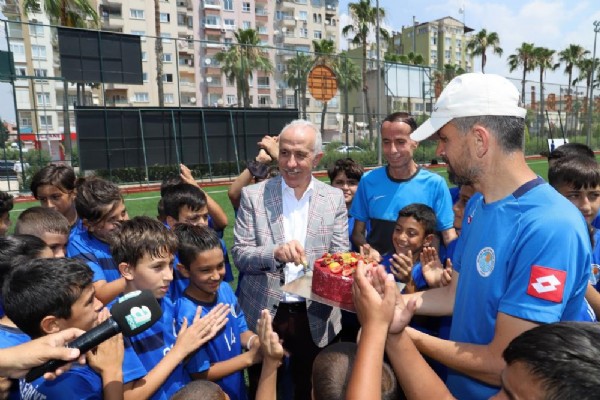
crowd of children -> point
(72, 256)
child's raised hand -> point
(374, 307)
(447, 274)
(269, 341)
(401, 266)
(431, 267)
(186, 175)
(201, 330)
(369, 253)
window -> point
(279, 15)
(231, 100)
(447, 54)
(165, 17)
(262, 81)
(229, 23)
(167, 57)
(318, 35)
(289, 101)
(264, 100)
(144, 77)
(36, 30)
(46, 121)
(25, 122)
(43, 98)
(302, 15)
(169, 98)
(38, 52)
(434, 40)
(166, 37)
(141, 97)
(136, 14)
(17, 48)
(144, 56)
(40, 73)
(245, 7)
(20, 71)
(141, 34)
(228, 5)
(303, 32)
(211, 20)
(246, 24)
(168, 78)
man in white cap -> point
(514, 267)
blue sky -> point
(552, 24)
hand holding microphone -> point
(131, 314)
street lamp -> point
(591, 98)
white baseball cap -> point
(471, 95)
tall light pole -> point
(378, 104)
(591, 97)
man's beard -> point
(455, 178)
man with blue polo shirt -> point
(384, 191)
(514, 268)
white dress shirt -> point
(295, 222)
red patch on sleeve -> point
(547, 283)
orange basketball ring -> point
(322, 83)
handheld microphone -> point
(131, 314)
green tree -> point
(3, 134)
(524, 57)
(544, 61)
(73, 13)
(364, 19)
(296, 75)
(412, 59)
(349, 78)
(571, 56)
(324, 50)
(240, 61)
(480, 43)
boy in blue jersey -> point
(143, 249)
(187, 204)
(514, 268)
(578, 179)
(47, 224)
(101, 208)
(47, 296)
(223, 358)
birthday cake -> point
(333, 276)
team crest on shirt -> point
(486, 259)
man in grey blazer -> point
(284, 224)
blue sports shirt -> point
(94, 252)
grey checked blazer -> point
(259, 229)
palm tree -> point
(412, 59)
(158, 46)
(297, 76)
(348, 77)
(324, 50)
(585, 66)
(364, 19)
(524, 57)
(451, 71)
(571, 56)
(239, 62)
(544, 61)
(480, 43)
(71, 13)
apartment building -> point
(442, 41)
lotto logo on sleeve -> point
(547, 283)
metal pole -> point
(591, 97)
(378, 105)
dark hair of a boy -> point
(142, 236)
(200, 389)
(38, 288)
(17, 249)
(58, 175)
(169, 181)
(577, 171)
(39, 220)
(332, 369)
(423, 214)
(96, 198)
(193, 240)
(348, 166)
(181, 195)
(570, 150)
(6, 202)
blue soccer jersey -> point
(149, 348)
(225, 345)
(94, 252)
(9, 337)
(379, 198)
(513, 259)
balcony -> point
(211, 5)
(289, 20)
(184, 5)
(112, 23)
